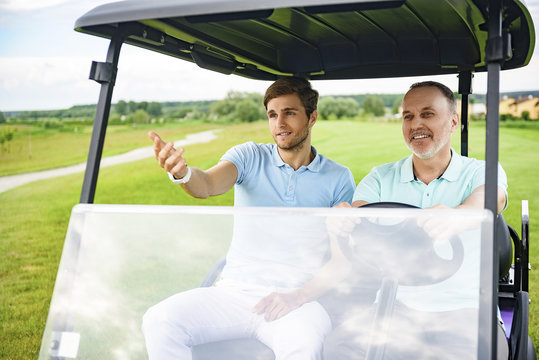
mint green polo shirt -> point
(396, 182)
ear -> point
(312, 118)
(454, 122)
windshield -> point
(396, 271)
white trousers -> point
(219, 313)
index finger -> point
(152, 135)
(158, 144)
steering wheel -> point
(401, 250)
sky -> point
(44, 65)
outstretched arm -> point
(214, 181)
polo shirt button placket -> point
(292, 184)
(427, 199)
(290, 193)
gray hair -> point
(444, 89)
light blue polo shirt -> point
(280, 252)
(265, 180)
(396, 182)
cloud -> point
(29, 83)
(28, 5)
(37, 74)
(20, 72)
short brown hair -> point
(293, 85)
(444, 89)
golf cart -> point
(114, 267)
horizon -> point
(529, 92)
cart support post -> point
(105, 74)
(494, 58)
(465, 89)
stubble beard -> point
(297, 143)
(434, 149)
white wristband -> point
(183, 180)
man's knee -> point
(298, 348)
(301, 334)
(152, 320)
(157, 324)
(305, 344)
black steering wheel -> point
(401, 249)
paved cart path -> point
(12, 181)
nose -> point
(416, 122)
(280, 120)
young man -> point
(259, 293)
(433, 176)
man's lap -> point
(220, 313)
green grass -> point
(34, 148)
(34, 217)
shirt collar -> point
(314, 166)
(450, 174)
(407, 170)
(453, 170)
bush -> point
(239, 106)
(331, 108)
(139, 117)
(6, 135)
(52, 124)
(505, 117)
(373, 105)
(396, 105)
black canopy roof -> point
(345, 40)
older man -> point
(433, 176)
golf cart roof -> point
(349, 39)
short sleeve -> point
(369, 188)
(346, 188)
(479, 179)
(242, 156)
(502, 182)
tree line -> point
(237, 106)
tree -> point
(237, 105)
(347, 108)
(182, 112)
(132, 106)
(121, 107)
(374, 105)
(247, 111)
(154, 109)
(139, 117)
(396, 106)
(6, 135)
(525, 115)
(143, 105)
(337, 108)
(327, 107)
(223, 107)
(2, 118)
